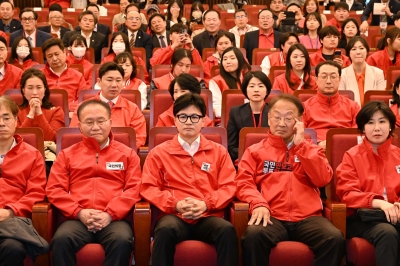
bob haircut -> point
(186, 82)
(353, 41)
(369, 109)
(259, 75)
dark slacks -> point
(171, 230)
(12, 252)
(72, 235)
(323, 238)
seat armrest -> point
(239, 218)
(336, 212)
(42, 219)
(142, 227)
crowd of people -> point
(96, 182)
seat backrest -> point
(252, 135)
(385, 96)
(139, 52)
(58, 97)
(392, 73)
(68, 136)
(260, 53)
(159, 135)
(38, 55)
(161, 101)
(375, 39)
(33, 136)
(77, 67)
(161, 70)
(231, 98)
(276, 71)
(304, 95)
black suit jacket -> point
(48, 30)
(14, 25)
(356, 6)
(97, 42)
(202, 41)
(251, 42)
(41, 37)
(394, 7)
(156, 41)
(101, 28)
(143, 40)
(239, 117)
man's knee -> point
(166, 226)
(12, 248)
(386, 232)
(122, 235)
(253, 234)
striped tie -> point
(132, 41)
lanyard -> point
(269, 39)
(259, 119)
(316, 42)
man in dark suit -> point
(56, 19)
(355, 5)
(158, 26)
(391, 8)
(35, 36)
(137, 37)
(265, 37)
(96, 40)
(7, 23)
(206, 39)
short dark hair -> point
(87, 12)
(328, 62)
(228, 35)
(131, 5)
(189, 99)
(154, 16)
(285, 37)
(317, 16)
(177, 28)
(55, 7)
(3, 41)
(259, 75)
(25, 10)
(262, 10)
(186, 82)
(91, 4)
(10, 104)
(124, 38)
(6, 1)
(211, 10)
(122, 57)
(342, 5)
(328, 30)
(396, 16)
(79, 40)
(369, 109)
(86, 103)
(35, 73)
(52, 42)
(396, 97)
(110, 66)
(240, 10)
(179, 54)
(243, 66)
(353, 41)
(14, 50)
(288, 98)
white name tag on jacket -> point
(296, 160)
(114, 165)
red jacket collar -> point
(383, 149)
(92, 142)
(176, 147)
(276, 141)
(328, 100)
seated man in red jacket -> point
(340, 15)
(279, 177)
(94, 183)
(22, 180)
(59, 75)
(191, 180)
(328, 109)
(124, 113)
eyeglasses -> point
(90, 123)
(133, 18)
(286, 120)
(6, 119)
(28, 19)
(194, 118)
(324, 77)
(57, 17)
(242, 16)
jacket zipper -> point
(287, 156)
(192, 160)
(329, 101)
(97, 158)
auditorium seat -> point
(161, 70)
(304, 95)
(385, 96)
(132, 95)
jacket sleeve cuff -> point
(209, 203)
(15, 211)
(111, 213)
(372, 197)
(76, 212)
(174, 202)
(261, 204)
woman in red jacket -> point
(222, 42)
(131, 82)
(298, 72)
(232, 68)
(389, 54)
(396, 101)
(21, 53)
(76, 55)
(368, 177)
(183, 84)
(119, 44)
(36, 109)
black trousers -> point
(12, 252)
(384, 236)
(323, 238)
(171, 230)
(72, 235)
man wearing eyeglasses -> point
(191, 180)
(124, 113)
(241, 28)
(279, 177)
(94, 183)
(28, 19)
(56, 19)
(328, 109)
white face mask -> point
(118, 47)
(23, 52)
(78, 52)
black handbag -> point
(372, 215)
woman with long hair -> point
(102, 9)
(175, 13)
(222, 42)
(21, 53)
(298, 72)
(36, 109)
(389, 51)
(196, 12)
(232, 68)
(311, 6)
(360, 77)
(312, 26)
(396, 101)
(350, 29)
